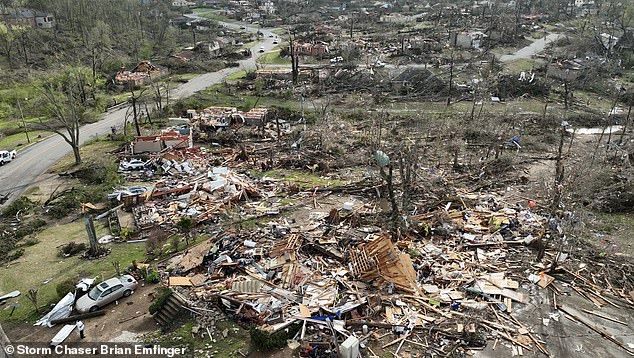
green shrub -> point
(266, 341)
(15, 255)
(175, 242)
(31, 242)
(152, 277)
(64, 287)
(162, 295)
(23, 204)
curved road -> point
(534, 48)
(34, 160)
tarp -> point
(62, 309)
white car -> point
(134, 164)
(261, 49)
(106, 292)
(6, 156)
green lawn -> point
(212, 14)
(18, 140)
(41, 268)
(236, 75)
(520, 65)
(273, 58)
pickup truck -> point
(6, 156)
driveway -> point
(34, 160)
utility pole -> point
(26, 131)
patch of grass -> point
(236, 75)
(273, 58)
(19, 139)
(212, 14)
(303, 180)
(250, 45)
(517, 66)
(93, 151)
(40, 267)
(237, 339)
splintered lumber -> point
(194, 256)
(179, 281)
(577, 316)
(508, 337)
(379, 258)
(531, 336)
(599, 314)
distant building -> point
(309, 49)
(30, 18)
(469, 39)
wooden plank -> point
(179, 281)
(599, 314)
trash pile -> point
(448, 287)
(184, 184)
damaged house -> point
(160, 142)
(310, 49)
(212, 119)
(142, 73)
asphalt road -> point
(534, 48)
(33, 161)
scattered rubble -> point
(449, 286)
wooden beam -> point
(79, 317)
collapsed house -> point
(337, 283)
(142, 73)
(166, 139)
(212, 119)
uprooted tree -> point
(66, 102)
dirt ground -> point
(121, 323)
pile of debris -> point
(143, 72)
(457, 278)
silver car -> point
(106, 292)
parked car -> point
(106, 292)
(261, 49)
(6, 156)
(134, 164)
(275, 42)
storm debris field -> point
(381, 263)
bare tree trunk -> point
(76, 154)
(450, 79)
(559, 174)
(627, 121)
